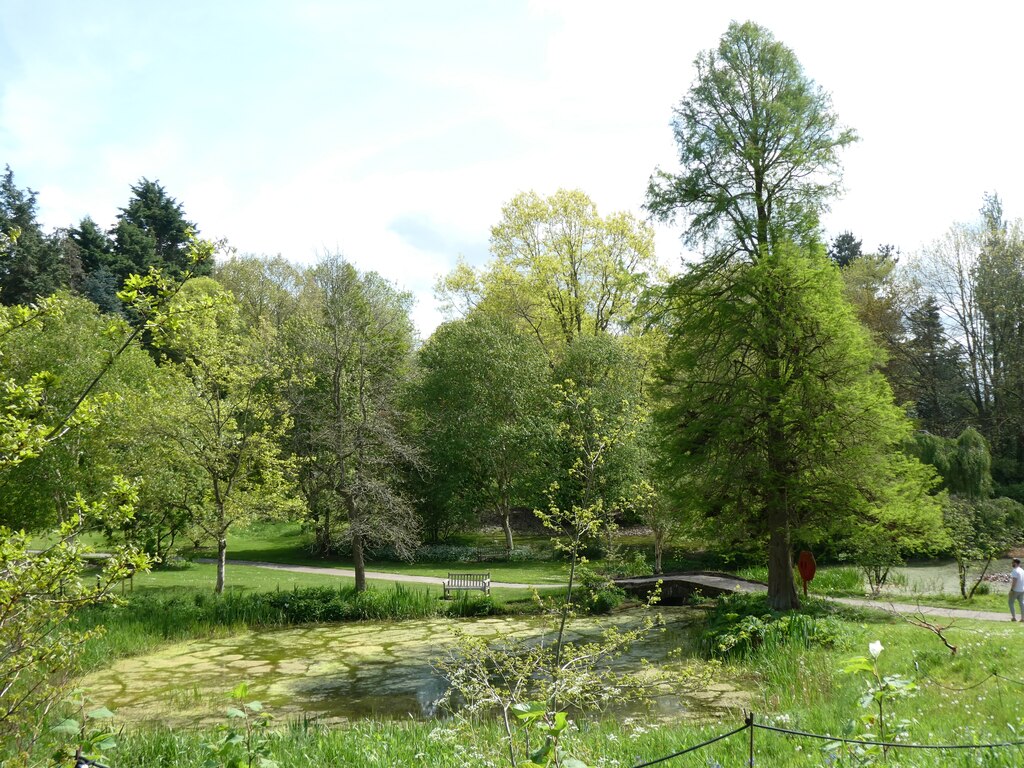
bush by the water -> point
(597, 592)
(741, 624)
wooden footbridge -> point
(678, 588)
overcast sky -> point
(394, 132)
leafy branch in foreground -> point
(40, 592)
(532, 683)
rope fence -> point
(751, 726)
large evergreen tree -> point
(936, 384)
(779, 422)
(152, 231)
(31, 263)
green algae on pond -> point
(339, 672)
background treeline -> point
(303, 393)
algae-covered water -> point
(340, 672)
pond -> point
(345, 672)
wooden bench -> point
(481, 581)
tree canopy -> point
(758, 144)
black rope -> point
(1007, 679)
(693, 748)
(888, 743)
(937, 684)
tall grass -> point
(604, 743)
(827, 581)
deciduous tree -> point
(779, 423)
(758, 142)
(484, 394)
(352, 339)
(234, 421)
(559, 268)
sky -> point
(393, 132)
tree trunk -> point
(322, 527)
(506, 525)
(782, 594)
(981, 578)
(659, 548)
(357, 561)
(222, 559)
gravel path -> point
(376, 575)
(908, 609)
(735, 584)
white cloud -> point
(439, 118)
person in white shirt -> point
(1017, 589)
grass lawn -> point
(287, 543)
(201, 577)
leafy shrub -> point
(742, 624)
(623, 565)
(597, 592)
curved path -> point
(372, 575)
(720, 582)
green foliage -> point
(483, 399)
(741, 625)
(758, 143)
(91, 734)
(40, 592)
(349, 347)
(232, 419)
(246, 739)
(31, 263)
(879, 699)
(978, 532)
(112, 435)
(776, 423)
(560, 270)
(597, 592)
(844, 249)
(936, 383)
(513, 676)
(152, 231)
(763, 348)
(964, 463)
(39, 596)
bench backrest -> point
(468, 579)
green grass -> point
(201, 578)
(286, 543)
